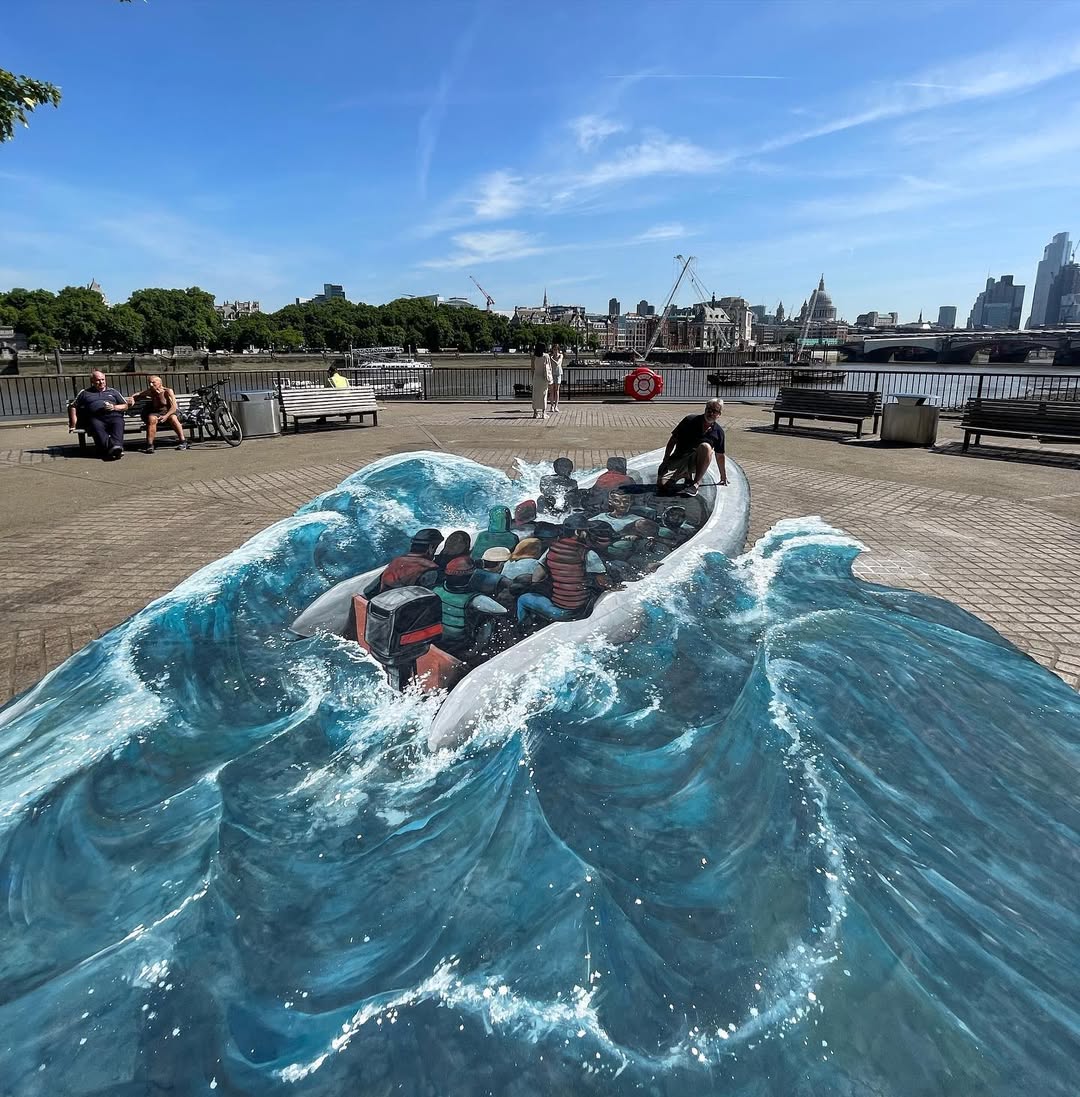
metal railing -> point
(47, 396)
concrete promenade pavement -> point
(85, 543)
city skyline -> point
(907, 175)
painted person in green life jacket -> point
(467, 616)
(690, 450)
(497, 535)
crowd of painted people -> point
(546, 560)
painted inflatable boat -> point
(401, 629)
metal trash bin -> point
(909, 419)
(257, 413)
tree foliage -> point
(160, 319)
(21, 96)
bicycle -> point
(210, 412)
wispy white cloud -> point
(689, 76)
(591, 129)
(672, 231)
(474, 248)
(432, 118)
(499, 194)
(656, 155)
(991, 75)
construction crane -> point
(705, 295)
(490, 299)
(667, 305)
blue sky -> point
(259, 148)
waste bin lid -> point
(256, 394)
(911, 397)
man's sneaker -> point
(116, 452)
(148, 449)
(690, 491)
(183, 445)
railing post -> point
(978, 394)
(496, 384)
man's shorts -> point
(686, 465)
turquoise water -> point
(809, 835)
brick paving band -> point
(997, 531)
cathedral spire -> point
(821, 284)
(545, 297)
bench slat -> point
(797, 402)
(358, 400)
(1047, 420)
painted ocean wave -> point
(805, 835)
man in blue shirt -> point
(100, 410)
(690, 451)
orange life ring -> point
(643, 384)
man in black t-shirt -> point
(690, 450)
(100, 410)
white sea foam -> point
(761, 564)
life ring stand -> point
(643, 383)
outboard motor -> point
(401, 625)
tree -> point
(21, 95)
(79, 316)
(177, 317)
(123, 330)
(288, 339)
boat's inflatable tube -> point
(475, 696)
(331, 611)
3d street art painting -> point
(452, 783)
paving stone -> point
(997, 533)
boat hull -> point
(487, 689)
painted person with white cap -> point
(488, 579)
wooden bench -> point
(796, 402)
(1047, 420)
(315, 403)
(133, 423)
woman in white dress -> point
(556, 377)
(541, 379)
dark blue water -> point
(808, 836)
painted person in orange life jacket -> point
(616, 476)
(417, 568)
(575, 570)
(690, 451)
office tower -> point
(999, 306)
(1055, 255)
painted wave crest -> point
(805, 835)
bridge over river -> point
(961, 347)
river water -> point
(808, 835)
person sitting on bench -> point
(690, 451)
(159, 406)
(99, 410)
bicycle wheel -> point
(226, 426)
